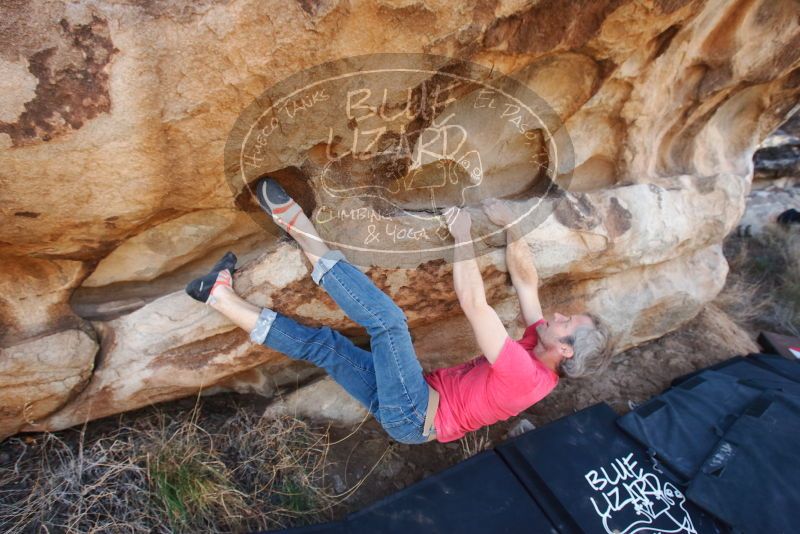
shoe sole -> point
(270, 191)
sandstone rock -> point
(653, 301)
(46, 351)
(324, 400)
(163, 248)
(34, 294)
(113, 191)
(39, 376)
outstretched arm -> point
(487, 326)
(519, 260)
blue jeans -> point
(389, 380)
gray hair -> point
(592, 350)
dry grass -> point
(170, 474)
(763, 287)
(474, 442)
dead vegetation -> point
(170, 474)
(762, 291)
(474, 442)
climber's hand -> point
(498, 211)
(458, 222)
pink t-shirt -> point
(476, 393)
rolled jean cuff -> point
(325, 263)
(263, 324)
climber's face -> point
(557, 328)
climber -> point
(413, 407)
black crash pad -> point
(684, 423)
(750, 479)
(477, 495)
(754, 370)
(778, 364)
(590, 477)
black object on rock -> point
(790, 216)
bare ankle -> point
(220, 294)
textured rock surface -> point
(39, 376)
(324, 400)
(113, 119)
